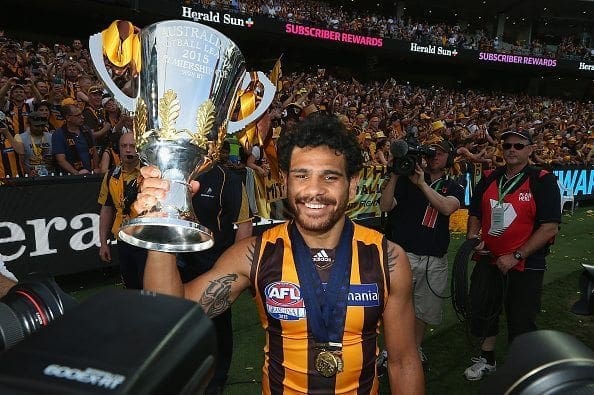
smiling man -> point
(321, 283)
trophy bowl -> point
(189, 78)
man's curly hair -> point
(317, 130)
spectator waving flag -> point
(247, 104)
(276, 73)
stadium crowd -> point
(330, 16)
(54, 80)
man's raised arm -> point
(214, 290)
(161, 274)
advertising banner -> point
(368, 193)
(51, 224)
(430, 51)
(579, 180)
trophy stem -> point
(171, 225)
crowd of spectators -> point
(43, 78)
(382, 112)
(56, 81)
(332, 16)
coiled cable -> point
(459, 282)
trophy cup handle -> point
(269, 91)
(96, 52)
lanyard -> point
(326, 307)
(503, 193)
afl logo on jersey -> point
(284, 301)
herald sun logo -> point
(284, 301)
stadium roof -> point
(578, 11)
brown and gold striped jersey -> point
(289, 349)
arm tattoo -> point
(250, 253)
(392, 256)
(216, 297)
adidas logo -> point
(209, 193)
(321, 256)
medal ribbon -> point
(503, 193)
(326, 307)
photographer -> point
(419, 207)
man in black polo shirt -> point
(220, 204)
(419, 208)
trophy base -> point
(166, 234)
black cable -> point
(459, 282)
(429, 283)
(461, 292)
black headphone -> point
(452, 149)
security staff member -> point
(118, 192)
(515, 212)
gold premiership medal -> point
(328, 363)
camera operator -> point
(419, 206)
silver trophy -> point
(189, 80)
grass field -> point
(447, 346)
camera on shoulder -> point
(407, 153)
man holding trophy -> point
(321, 283)
(321, 316)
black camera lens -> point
(31, 304)
(405, 166)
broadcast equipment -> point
(407, 154)
(116, 342)
(544, 362)
(585, 306)
(30, 305)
